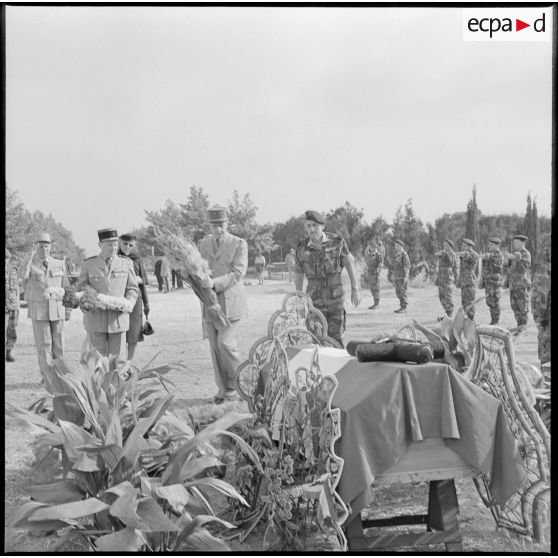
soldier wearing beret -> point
(41, 273)
(519, 276)
(399, 274)
(227, 256)
(540, 297)
(11, 306)
(114, 275)
(468, 276)
(374, 262)
(492, 278)
(127, 248)
(448, 268)
(321, 258)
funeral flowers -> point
(54, 293)
(90, 300)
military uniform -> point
(11, 307)
(106, 328)
(520, 285)
(322, 267)
(492, 281)
(374, 262)
(448, 268)
(47, 316)
(400, 276)
(540, 297)
(468, 276)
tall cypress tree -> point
(472, 218)
(531, 226)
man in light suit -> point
(40, 272)
(227, 256)
(109, 274)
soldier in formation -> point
(448, 269)
(321, 258)
(468, 276)
(519, 277)
(11, 306)
(374, 262)
(492, 278)
(114, 275)
(399, 275)
(540, 297)
(43, 274)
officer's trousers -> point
(225, 356)
(11, 329)
(108, 343)
(49, 341)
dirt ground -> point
(178, 337)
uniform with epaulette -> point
(519, 275)
(40, 273)
(111, 275)
(468, 277)
(322, 265)
(12, 306)
(493, 279)
(540, 297)
(448, 268)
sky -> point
(113, 110)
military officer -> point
(399, 274)
(114, 275)
(519, 273)
(12, 306)
(468, 276)
(40, 273)
(448, 268)
(540, 297)
(227, 256)
(492, 278)
(321, 258)
(374, 261)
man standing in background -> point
(11, 306)
(158, 275)
(448, 269)
(519, 262)
(468, 276)
(374, 261)
(540, 297)
(399, 275)
(492, 278)
(41, 274)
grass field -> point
(178, 337)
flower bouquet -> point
(70, 298)
(90, 300)
(54, 293)
(186, 256)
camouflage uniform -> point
(11, 304)
(540, 298)
(400, 276)
(520, 285)
(492, 280)
(468, 276)
(448, 268)
(322, 267)
(374, 261)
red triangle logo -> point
(519, 25)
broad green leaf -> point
(71, 510)
(220, 485)
(123, 488)
(176, 495)
(180, 425)
(153, 516)
(25, 511)
(113, 434)
(203, 519)
(245, 447)
(193, 467)
(49, 440)
(125, 540)
(58, 492)
(86, 463)
(124, 507)
(74, 436)
(32, 419)
(201, 539)
(65, 408)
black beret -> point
(315, 216)
(450, 242)
(469, 242)
(400, 242)
(495, 240)
(128, 237)
(520, 237)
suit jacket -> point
(228, 265)
(119, 280)
(37, 282)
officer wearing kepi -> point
(41, 275)
(12, 306)
(519, 274)
(114, 275)
(468, 276)
(492, 278)
(321, 258)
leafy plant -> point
(134, 477)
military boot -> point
(10, 356)
(401, 310)
(374, 306)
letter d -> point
(537, 21)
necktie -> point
(108, 261)
(217, 244)
(45, 264)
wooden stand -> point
(442, 524)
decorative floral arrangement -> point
(186, 256)
(54, 293)
(90, 300)
(70, 298)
